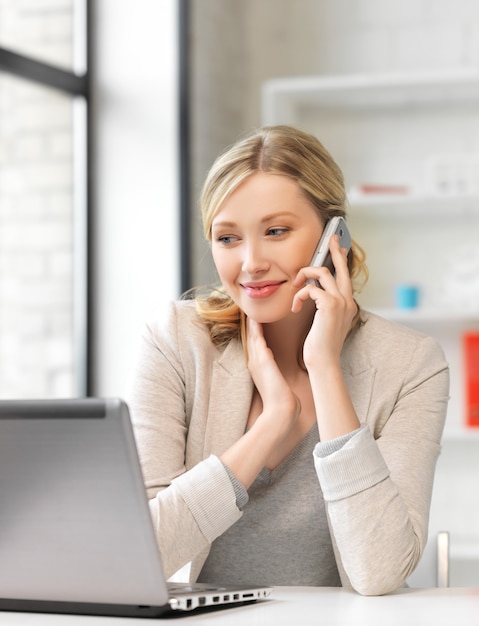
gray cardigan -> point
(190, 402)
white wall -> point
(135, 178)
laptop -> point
(76, 534)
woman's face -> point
(264, 233)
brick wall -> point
(36, 237)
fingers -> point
(254, 328)
(340, 260)
(328, 292)
(321, 277)
(300, 298)
(258, 351)
(254, 332)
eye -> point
(226, 239)
(277, 232)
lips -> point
(261, 289)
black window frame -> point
(184, 142)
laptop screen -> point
(75, 524)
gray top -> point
(283, 537)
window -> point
(43, 198)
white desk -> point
(304, 606)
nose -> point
(254, 260)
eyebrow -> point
(266, 218)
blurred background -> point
(111, 113)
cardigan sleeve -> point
(378, 485)
(198, 506)
(190, 506)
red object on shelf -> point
(383, 189)
(471, 376)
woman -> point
(285, 435)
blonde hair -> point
(280, 150)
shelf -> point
(424, 315)
(407, 205)
(460, 435)
(369, 92)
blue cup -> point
(407, 297)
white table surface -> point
(302, 606)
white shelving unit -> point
(385, 131)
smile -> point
(261, 290)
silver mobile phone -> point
(322, 256)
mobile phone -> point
(322, 256)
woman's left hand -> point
(335, 307)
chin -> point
(266, 316)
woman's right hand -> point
(277, 416)
(280, 403)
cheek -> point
(224, 264)
(299, 258)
